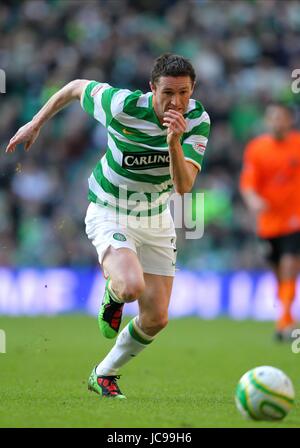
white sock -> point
(130, 342)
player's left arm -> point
(183, 171)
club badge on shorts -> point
(119, 237)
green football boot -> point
(106, 386)
(110, 314)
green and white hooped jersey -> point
(133, 176)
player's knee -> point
(288, 267)
(156, 323)
(162, 323)
(131, 290)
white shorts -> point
(155, 244)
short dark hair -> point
(169, 64)
(282, 105)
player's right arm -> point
(249, 181)
(28, 133)
(254, 202)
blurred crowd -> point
(243, 52)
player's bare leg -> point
(136, 336)
(126, 273)
(125, 283)
(287, 271)
(154, 303)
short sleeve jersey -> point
(272, 169)
(134, 174)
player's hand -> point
(176, 125)
(257, 204)
(27, 134)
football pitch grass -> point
(185, 379)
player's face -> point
(278, 120)
(171, 92)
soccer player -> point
(155, 141)
(270, 185)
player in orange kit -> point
(270, 186)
